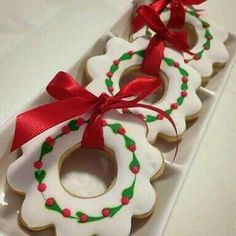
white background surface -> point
(29, 50)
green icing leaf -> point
(125, 56)
(168, 61)
(114, 68)
(183, 72)
(200, 54)
(207, 33)
(73, 125)
(114, 210)
(54, 207)
(79, 213)
(140, 53)
(109, 83)
(192, 13)
(128, 141)
(115, 127)
(45, 149)
(129, 192)
(40, 175)
(169, 111)
(207, 44)
(134, 162)
(180, 100)
(184, 86)
(92, 218)
(150, 118)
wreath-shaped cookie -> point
(209, 49)
(179, 101)
(36, 175)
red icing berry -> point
(176, 64)
(116, 62)
(186, 60)
(196, 57)
(132, 147)
(111, 89)
(66, 212)
(184, 94)
(65, 130)
(174, 106)
(83, 218)
(106, 212)
(197, 15)
(38, 165)
(104, 123)
(135, 169)
(42, 187)
(50, 201)
(109, 74)
(80, 122)
(125, 110)
(131, 53)
(121, 131)
(184, 79)
(50, 141)
(125, 200)
(206, 47)
(160, 117)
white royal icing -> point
(20, 177)
(217, 52)
(98, 66)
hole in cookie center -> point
(133, 72)
(87, 173)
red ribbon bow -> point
(177, 9)
(74, 100)
(155, 50)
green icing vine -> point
(81, 217)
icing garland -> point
(208, 36)
(81, 217)
(170, 62)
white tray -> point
(168, 186)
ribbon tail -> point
(93, 134)
(153, 57)
(34, 122)
(177, 16)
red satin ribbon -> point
(74, 100)
(177, 10)
(155, 50)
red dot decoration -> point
(206, 47)
(65, 130)
(80, 122)
(184, 79)
(135, 169)
(125, 200)
(174, 106)
(132, 147)
(50, 141)
(116, 62)
(176, 64)
(160, 117)
(121, 131)
(104, 123)
(131, 53)
(184, 94)
(38, 165)
(106, 212)
(111, 89)
(109, 74)
(42, 187)
(50, 201)
(186, 60)
(66, 212)
(196, 57)
(83, 218)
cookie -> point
(181, 82)
(47, 204)
(206, 41)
